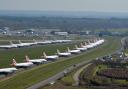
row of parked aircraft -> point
(30, 62)
(21, 44)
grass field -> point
(19, 37)
(59, 85)
(68, 80)
(51, 37)
(120, 30)
(6, 56)
(34, 75)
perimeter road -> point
(62, 74)
(58, 76)
(76, 75)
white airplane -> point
(35, 61)
(98, 42)
(47, 42)
(92, 44)
(51, 41)
(88, 46)
(33, 43)
(9, 46)
(66, 40)
(25, 44)
(52, 57)
(60, 41)
(81, 48)
(18, 45)
(6, 71)
(42, 42)
(63, 54)
(74, 51)
(22, 44)
(21, 65)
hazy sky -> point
(66, 5)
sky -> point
(66, 5)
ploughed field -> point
(104, 74)
(118, 73)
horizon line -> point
(69, 11)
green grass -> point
(6, 56)
(34, 75)
(119, 81)
(19, 37)
(59, 85)
(68, 79)
(120, 30)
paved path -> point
(61, 74)
(76, 75)
(58, 76)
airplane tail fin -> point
(44, 54)
(20, 41)
(76, 46)
(27, 58)
(34, 40)
(85, 43)
(58, 51)
(88, 41)
(11, 42)
(68, 49)
(96, 39)
(81, 44)
(13, 62)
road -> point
(123, 42)
(58, 76)
(76, 75)
(62, 74)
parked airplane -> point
(94, 44)
(74, 51)
(42, 42)
(63, 54)
(50, 41)
(88, 46)
(24, 44)
(52, 57)
(80, 48)
(60, 41)
(21, 65)
(101, 41)
(8, 46)
(6, 71)
(98, 42)
(33, 43)
(35, 61)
